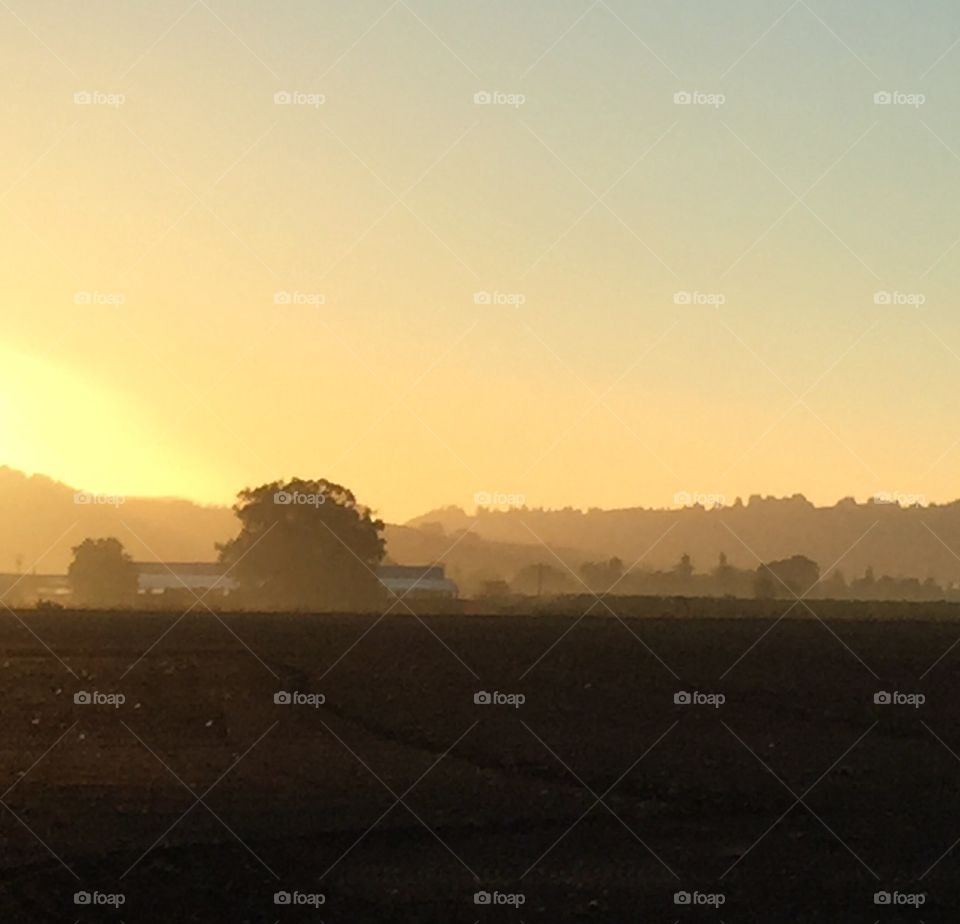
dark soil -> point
(596, 799)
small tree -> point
(601, 576)
(797, 575)
(724, 575)
(306, 545)
(102, 574)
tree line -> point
(787, 578)
(308, 544)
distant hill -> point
(39, 519)
(900, 541)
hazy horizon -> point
(498, 502)
(901, 537)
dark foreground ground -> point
(597, 799)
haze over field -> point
(703, 247)
(40, 520)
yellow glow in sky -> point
(586, 294)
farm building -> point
(154, 577)
(16, 589)
(413, 580)
(417, 581)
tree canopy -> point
(102, 573)
(796, 575)
(305, 544)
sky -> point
(580, 253)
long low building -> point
(157, 578)
(413, 581)
(16, 589)
(417, 581)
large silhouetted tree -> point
(102, 573)
(305, 544)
